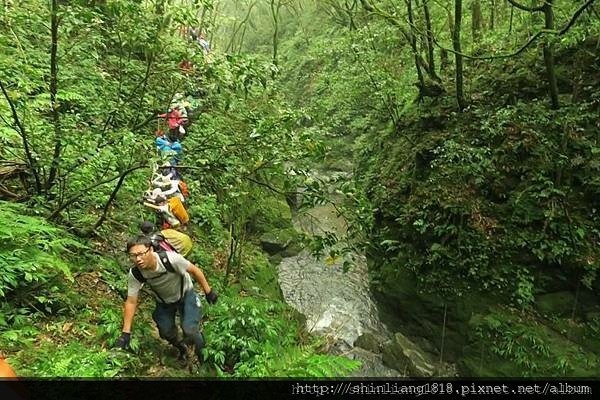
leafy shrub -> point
(254, 338)
(32, 256)
(73, 360)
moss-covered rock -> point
(276, 241)
(370, 341)
(259, 276)
(273, 213)
(558, 303)
(293, 249)
(420, 314)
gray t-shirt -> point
(166, 284)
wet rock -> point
(403, 355)
(371, 365)
(370, 341)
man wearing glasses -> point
(169, 276)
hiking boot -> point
(182, 359)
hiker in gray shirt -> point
(169, 276)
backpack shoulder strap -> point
(137, 274)
(165, 260)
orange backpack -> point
(178, 210)
(183, 188)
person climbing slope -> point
(169, 276)
(168, 147)
(176, 122)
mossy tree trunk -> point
(547, 8)
(460, 100)
(549, 54)
(413, 45)
(492, 14)
(476, 20)
(53, 93)
(429, 35)
(275, 12)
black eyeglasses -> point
(133, 256)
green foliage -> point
(238, 331)
(494, 203)
(32, 255)
(74, 360)
(110, 77)
(254, 337)
(205, 212)
(298, 362)
(537, 350)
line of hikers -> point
(196, 36)
(169, 191)
(159, 255)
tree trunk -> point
(275, 8)
(492, 14)
(476, 20)
(457, 54)
(549, 55)
(512, 13)
(444, 62)
(413, 45)
(548, 49)
(53, 101)
(429, 33)
(450, 23)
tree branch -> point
(54, 165)
(74, 198)
(561, 32)
(525, 8)
(21, 131)
(575, 16)
(112, 197)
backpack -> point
(137, 274)
(178, 210)
(160, 243)
(179, 240)
(183, 188)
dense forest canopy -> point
(467, 133)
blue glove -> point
(123, 340)
(212, 297)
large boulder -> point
(273, 213)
